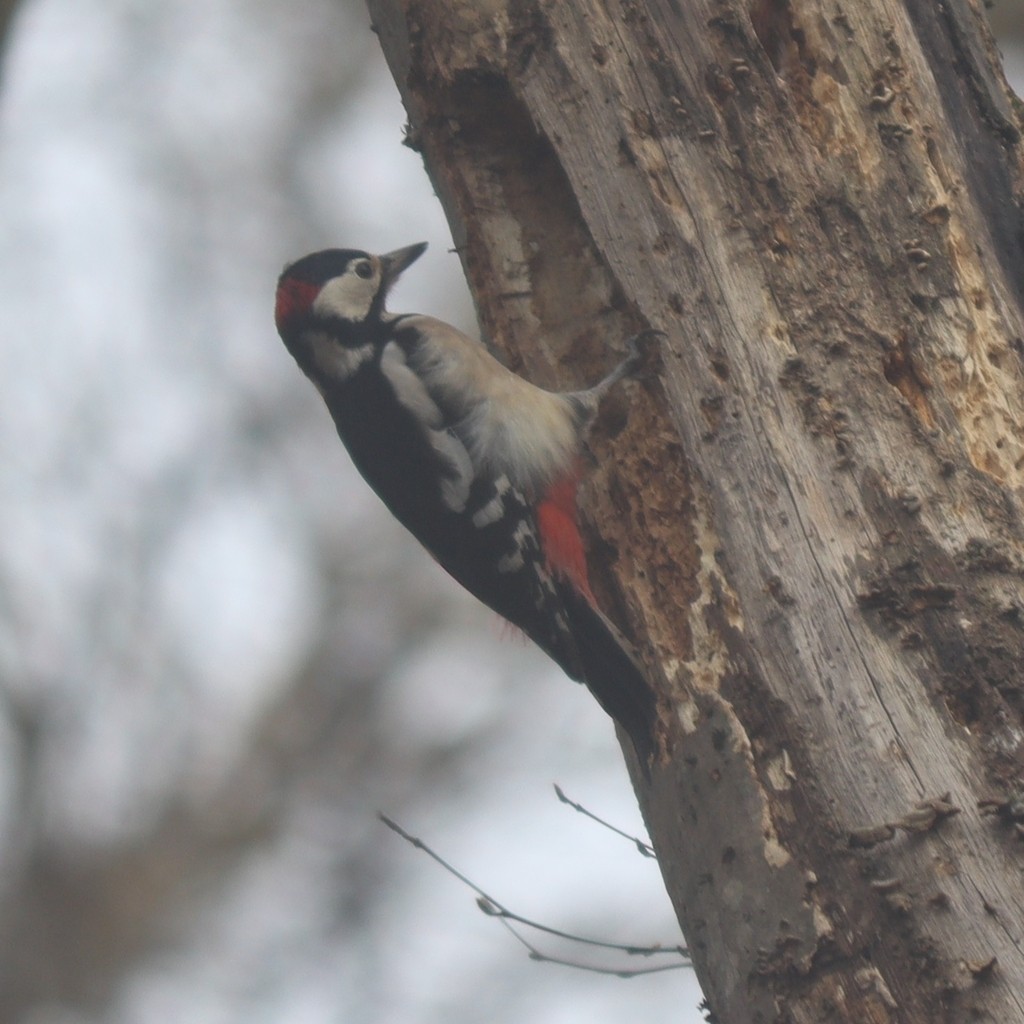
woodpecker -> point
(480, 465)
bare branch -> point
(493, 908)
(645, 849)
(627, 972)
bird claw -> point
(638, 347)
(633, 366)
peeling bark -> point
(810, 519)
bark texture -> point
(809, 518)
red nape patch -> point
(560, 533)
(293, 297)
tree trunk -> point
(808, 518)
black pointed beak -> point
(393, 263)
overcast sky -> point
(176, 517)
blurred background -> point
(219, 657)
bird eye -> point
(363, 269)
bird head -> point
(346, 285)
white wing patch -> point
(508, 424)
(454, 487)
(494, 509)
(409, 389)
(522, 536)
(457, 475)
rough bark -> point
(810, 519)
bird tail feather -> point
(613, 675)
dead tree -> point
(809, 519)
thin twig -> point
(420, 845)
(644, 848)
(618, 972)
(493, 908)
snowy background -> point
(218, 658)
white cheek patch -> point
(455, 464)
(348, 297)
(335, 361)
